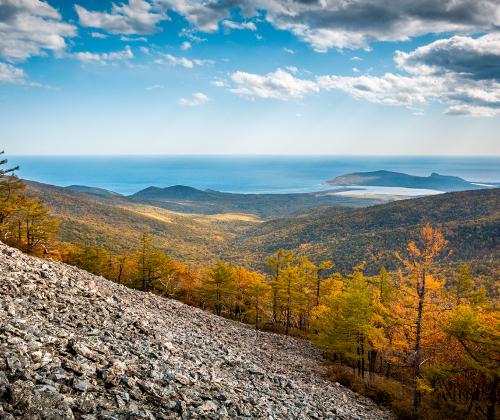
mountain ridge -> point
(469, 219)
(384, 178)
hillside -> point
(398, 179)
(116, 223)
(73, 345)
(191, 200)
(470, 221)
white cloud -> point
(438, 72)
(98, 35)
(356, 70)
(389, 89)
(189, 33)
(203, 62)
(104, 58)
(186, 45)
(179, 61)
(276, 85)
(219, 83)
(326, 24)
(196, 100)
(136, 17)
(289, 50)
(11, 74)
(185, 62)
(475, 58)
(31, 27)
(133, 39)
(461, 72)
(229, 24)
(203, 15)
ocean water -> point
(242, 174)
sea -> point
(242, 174)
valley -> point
(349, 232)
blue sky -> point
(252, 77)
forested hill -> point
(115, 223)
(397, 179)
(470, 220)
(191, 200)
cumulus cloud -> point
(203, 15)
(186, 45)
(280, 84)
(475, 58)
(29, 28)
(326, 24)
(134, 17)
(323, 24)
(104, 58)
(196, 100)
(435, 72)
(462, 72)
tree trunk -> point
(288, 305)
(492, 398)
(416, 368)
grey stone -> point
(73, 344)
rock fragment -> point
(73, 345)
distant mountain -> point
(191, 200)
(118, 223)
(398, 179)
(93, 190)
(174, 192)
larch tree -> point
(276, 263)
(217, 287)
(151, 263)
(420, 258)
(10, 188)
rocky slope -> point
(73, 345)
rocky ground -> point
(73, 345)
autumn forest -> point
(409, 330)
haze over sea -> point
(241, 174)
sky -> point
(337, 77)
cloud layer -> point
(29, 28)
(104, 58)
(461, 72)
(136, 17)
(326, 24)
